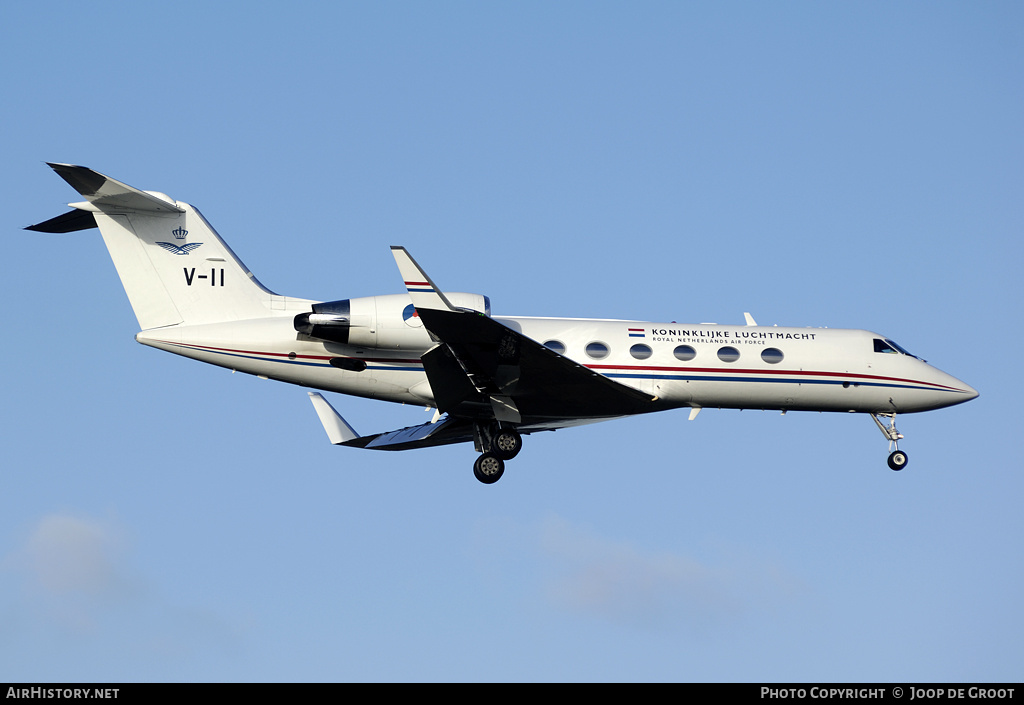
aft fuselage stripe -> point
(373, 363)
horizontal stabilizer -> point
(70, 222)
(107, 194)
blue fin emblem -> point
(179, 250)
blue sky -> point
(822, 164)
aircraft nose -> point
(965, 391)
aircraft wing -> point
(482, 367)
(339, 432)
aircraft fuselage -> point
(683, 365)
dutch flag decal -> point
(636, 332)
(421, 287)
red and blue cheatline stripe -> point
(372, 363)
(712, 374)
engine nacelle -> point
(377, 321)
(327, 321)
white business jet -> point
(490, 379)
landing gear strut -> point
(497, 444)
(897, 458)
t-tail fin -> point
(173, 265)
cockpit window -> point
(888, 346)
(902, 350)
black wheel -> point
(488, 468)
(897, 460)
(506, 443)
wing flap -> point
(448, 380)
(449, 430)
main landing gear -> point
(501, 444)
(897, 458)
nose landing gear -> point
(897, 458)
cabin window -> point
(640, 351)
(596, 350)
(728, 354)
(556, 346)
(772, 356)
(684, 353)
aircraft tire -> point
(898, 460)
(488, 468)
(507, 443)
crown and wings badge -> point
(180, 234)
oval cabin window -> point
(640, 351)
(728, 354)
(684, 353)
(598, 351)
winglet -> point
(338, 430)
(424, 293)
